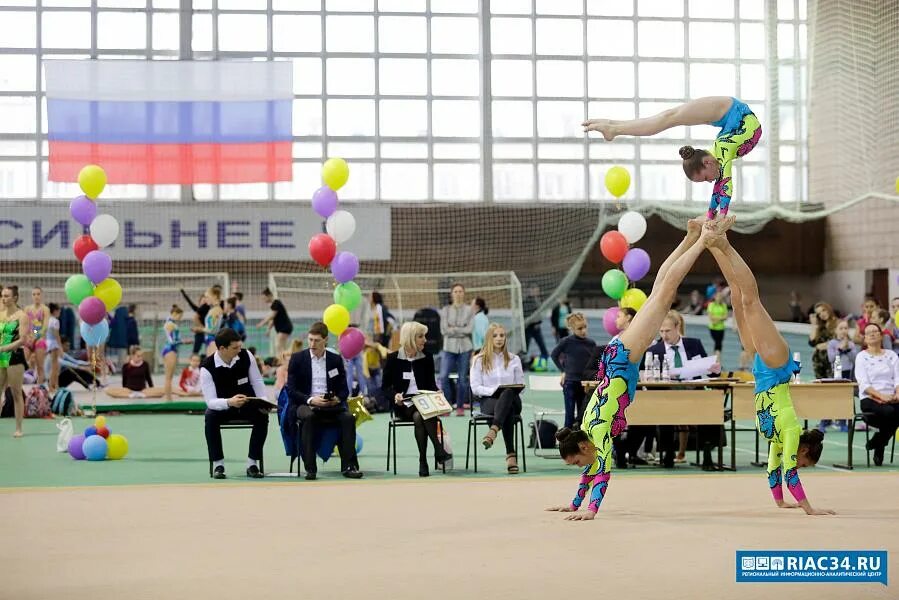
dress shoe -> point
(219, 473)
(444, 456)
(310, 475)
(253, 472)
(352, 473)
(878, 455)
(636, 460)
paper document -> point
(695, 367)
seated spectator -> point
(494, 366)
(136, 379)
(571, 356)
(316, 384)
(71, 369)
(189, 383)
(877, 373)
(881, 317)
(843, 347)
(868, 308)
(892, 324)
(228, 377)
(697, 304)
(408, 371)
(824, 323)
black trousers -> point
(68, 376)
(504, 410)
(199, 342)
(885, 418)
(312, 421)
(216, 418)
(424, 429)
(534, 332)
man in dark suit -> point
(678, 350)
(316, 384)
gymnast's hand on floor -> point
(565, 508)
(587, 515)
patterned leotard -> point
(172, 338)
(9, 333)
(36, 320)
(777, 422)
(604, 418)
(740, 132)
(212, 323)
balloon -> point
(613, 246)
(83, 245)
(341, 226)
(608, 320)
(97, 266)
(100, 421)
(356, 406)
(344, 267)
(351, 342)
(75, 445)
(636, 264)
(897, 185)
(337, 318)
(358, 444)
(335, 172)
(104, 230)
(322, 249)
(633, 298)
(78, 287)
(348, 295)
(614, 283)
(83, 210)
(103, 432)
(324, 201)
(92, 180)
(117, 446)
(92, 310)
(89, 431)
(632, 226)
(618, 179)
(94, 448)
(109, 292)
(94, 335)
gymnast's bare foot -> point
(694, 227)
(604, 126)
(723, 224)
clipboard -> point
(263, 404)
(507, 386)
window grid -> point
(549, 153)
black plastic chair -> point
(477, 418)
(239, 424)
(393, 424)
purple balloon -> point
(351, 342)
(635, 264)
(83, 210)
(97, 266)
(75, 447)
(344, 266)
(324, 201)
(92, 310)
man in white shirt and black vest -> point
(316, 384)
(227, 379)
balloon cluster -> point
(615, 246)
(98, 443)
(94, 292)
(340, 226)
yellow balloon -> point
(92, 180)
(335, 172)
(633, 298)
(337, 318)
(116, 446)
(110, 292)
(897, 185)
(100, 421)
(618, 179)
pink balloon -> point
(92, 310)
(351, 342)
(608, 321)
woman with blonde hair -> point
(408, 371)
(497, 380)
(824, 325)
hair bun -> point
(563, 434)
(687, 152)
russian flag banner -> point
(170, 122)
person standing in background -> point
(717, 312)
(559, 319)
(481, 322)
(532, 328)
(456, 322)
(277, 319)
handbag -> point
(431, 404)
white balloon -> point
(341, 225)
(104, 230)
(632, 226)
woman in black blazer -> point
(406, 372)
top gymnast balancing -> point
(790, 448)
(740, 132)
(604, 418)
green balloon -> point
(348, 295)
(614, 283)
(78, 287)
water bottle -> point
(665, 376)
(646, 375)
(837, 368)
(797, 358)
(656, 368)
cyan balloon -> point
(94, 335)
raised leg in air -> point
(700, 111)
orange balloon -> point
(613, 246)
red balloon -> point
(322, 249)
(103, 432)
(83, 245)
(613, 246)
